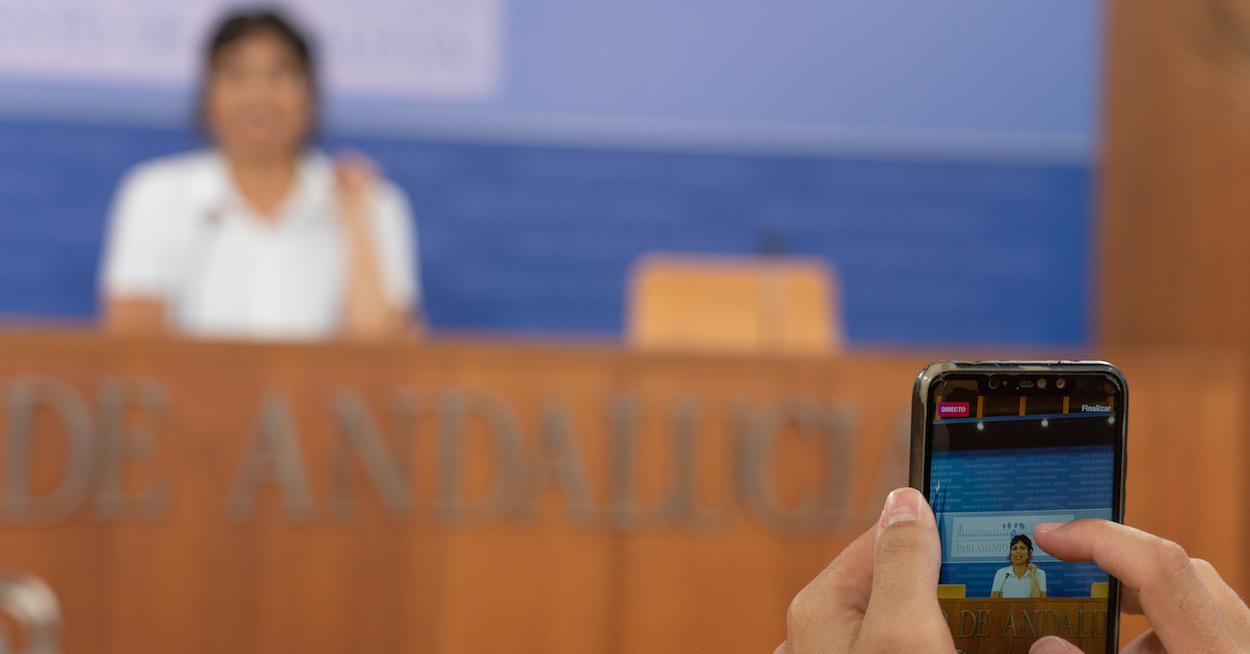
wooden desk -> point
(473, 496)
(1011, 626)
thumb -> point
(906, 561)
(1054, 645)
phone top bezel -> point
(931, 373)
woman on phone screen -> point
(1022, 578)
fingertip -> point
(1045, 532)
(907, 552)
(1053, 645)
(901, 505)
(1072, 540)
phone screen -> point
(1006, 452)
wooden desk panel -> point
(1011, 626)
(599, 544)
(1172, 238)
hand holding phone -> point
(877, 595)
(999, 447)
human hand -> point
(1189, 606)
(355, 177)
(878, 595)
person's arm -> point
(1189, 606)
(1035, 588)
(370, 309)
(137, 268)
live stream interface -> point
(1000, 464)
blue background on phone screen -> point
(1017, 485)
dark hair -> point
(1021, 538)
(243, 24)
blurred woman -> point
(1022, 578)
(260, 235)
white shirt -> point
(1011, 586)
(179, 232)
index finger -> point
(1180, 609)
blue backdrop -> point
(532, 237)
(938, 154)
(1072, 480)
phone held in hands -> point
(998, 447)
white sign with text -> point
(438, 49)
(987, 537)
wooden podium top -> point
(485, 496)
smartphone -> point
(998, 447)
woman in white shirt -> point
(260, 236)
(1022, 578)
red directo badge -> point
(953, 409)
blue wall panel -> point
(530, 237)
